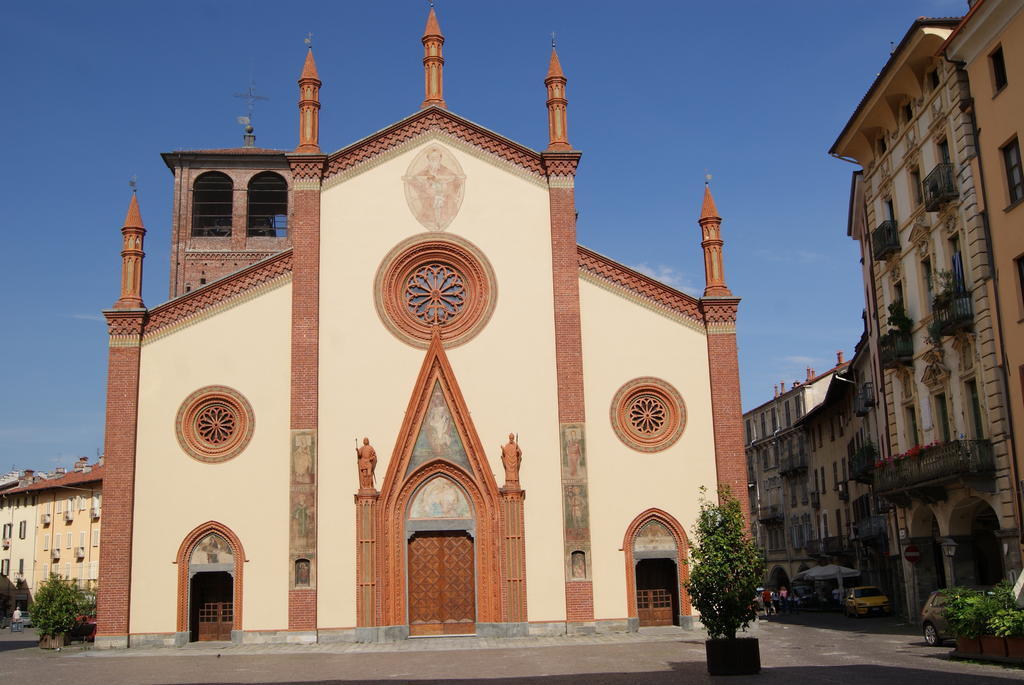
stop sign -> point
(912, 554)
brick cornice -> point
(558, 163)
(242, 283)
(125, 326)
(720, 313)
(438, 120)
(636, 283)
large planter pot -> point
(739, 656)
(53, 641)
(1015, 647)
(992, 645)
(968, 645)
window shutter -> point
(60, 506)
(96, 538)
(71, 540)
(81, 539)
(46, 542)
(56, 541)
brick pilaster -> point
(579, 593)
(307, 171)
(726, 407)
(113, 601)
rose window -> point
(214, 424)
(648, 414)
(429, 285)
(435, 293)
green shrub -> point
(725, 567)
(1007, 623)
(970, 612)
(58, 603)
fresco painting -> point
(438, 437)
(440, 498)
(434, 186)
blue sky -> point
(659, 92)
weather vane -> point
(250, 98)
(552, 39)
(707, 177)
(308, 40)
(133, 183)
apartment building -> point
(17, 545)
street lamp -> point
(948, 553)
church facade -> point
(403, 400)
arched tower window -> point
(268, 206)
(211, 205)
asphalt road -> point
(804, 649)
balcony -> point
(69, 516)
(836, 544)
(816, 500)
(45, 519)
(895, 348)
(94, 512)
(79, 552)
(953, 313)
(793, 464)
(55, 553)
(844, 491)
(862, 464)
(871, 529)
(864, 400)
(925, 475)
(770, 513)
(885, 240)
(939, 187)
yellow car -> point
(865, 600)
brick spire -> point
(309, 107)
(132, 234)
(558, 135)
(710, 225)
(433, 62)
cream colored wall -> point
(506, 373)
(82, 522)
(21, 508)
(245, 348)
(623, 341)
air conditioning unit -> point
(69, 516)
(94, 512)
(56, 553)
(46, 519)
(80, 552)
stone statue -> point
(366, 457)
(511, 457)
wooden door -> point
(654, 607)
(442, 591)
(215, 619)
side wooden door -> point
(215, 619)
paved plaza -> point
(810, 648)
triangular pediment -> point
(437, 431)
(427, 124)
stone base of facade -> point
(335, 635)
(267, 637)
(502, 629)
(111, 642)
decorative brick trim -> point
(230, 291)
(672, 414)
(682, 557)
(182, 559)
(226, 400)
(513, 555)
(481, 290)
(654, 294)
(720, 314)
(366, 559)
(113, 599)
(398, 487)
(436, 120)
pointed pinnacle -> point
(555, 67)
(134, 217)
(433, 28)
(309, 68)
(708, 210)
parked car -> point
(865, 600)
(85, 629)
(933, 619)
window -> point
(890, 210)
(976, 421)
(22, 530)
(799, 406)
(835, 476)
(911, 426)
(943, 147)
(942, 416)
(60, 506)
(956, 265)
(212, 198)
(57, 539)
(775, 420)
(21, 567)
(882, 146)
(933, 78)
(788, 418)
(926, 276)
(908, 112)
(1014, 174)
(96, 538)
(763, 431)
(998, 68)
(268, 206)
(5, 568)
(1019, 261)
(46, 542)
(8, 528)
(915, 187)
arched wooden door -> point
(442, 586)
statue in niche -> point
(366, 458)
(511, 458)
(579, 565)
(302, 572)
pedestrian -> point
(16, 620)
(766, 599)
(775, 602)
(835, 595)
(784, 599)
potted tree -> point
(58, 602)
(725, 567)
(1008, 623)
(970, 612)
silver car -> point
(933, 619)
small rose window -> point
(648, 414)
(214, 424)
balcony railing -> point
(770, 513)
(895, 348)
(816, 500)
(792, 464)
(953, 313)
(864, 399)
(939, 187)
(863, 463)
(872, 528)
(885, 240)
(934, 466)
